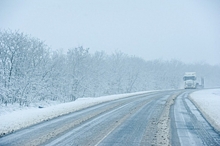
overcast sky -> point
(187, 30)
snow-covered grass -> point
(208, 102)
(13, 117)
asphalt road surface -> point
(158, 118)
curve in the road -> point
(136, 120)
(53, 129)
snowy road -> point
(189, 127)
(137, 120)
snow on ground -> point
(13, 118)
(208, 102)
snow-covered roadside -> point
(15, 120)
(208, 102)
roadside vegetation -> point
(30, 72)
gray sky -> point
(187, 30)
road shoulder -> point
(207, 101)
(19, 119)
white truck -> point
(190, 80)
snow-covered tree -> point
(30, 72)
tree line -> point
(31, 72)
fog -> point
(133, 46)
(188, 31)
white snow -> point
(13, 118)
(208, 102)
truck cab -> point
(190, 80)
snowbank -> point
(208, 102)
(12, 120)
